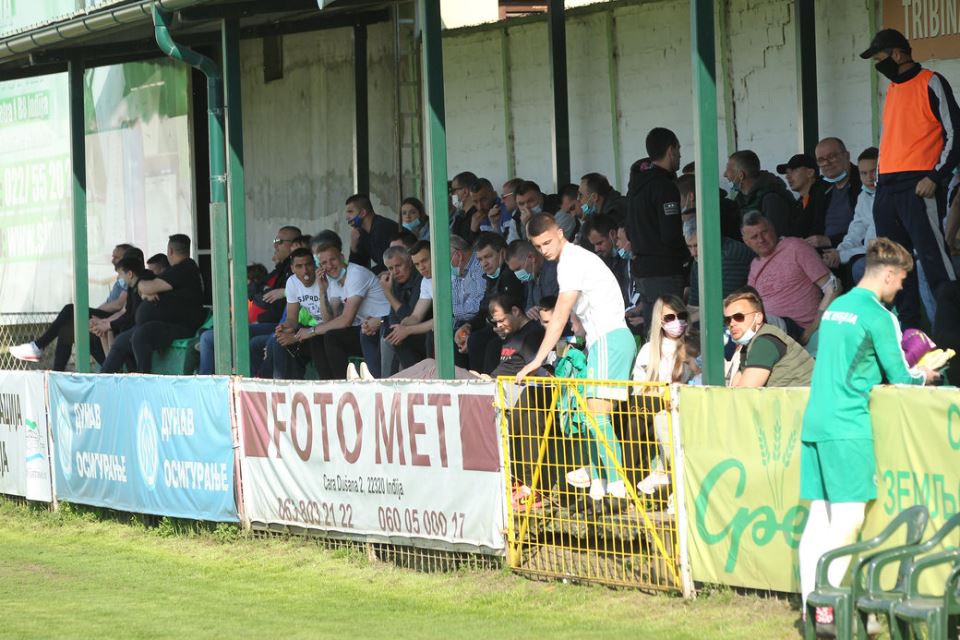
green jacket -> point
(859, 348)
(572, 364)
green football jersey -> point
(859, 348)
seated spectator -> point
(520, 334)
(735, 259)
(538, 276)
(853, 247)
(413, 218)
(256, 278)
(570, 205)
(467, 282)
(461, 203)
(601, 233)
(61, 329)
(843, 189)
(132, 270)
(171, 309)
(158, 263)
(288, 355)
(476, 339)
(790, 277)
(768, 356)
(371, 233)
(760, 191)
(596, 196)
(413, 336)
(729, 211)
(403, 238)
(509, 197)
(801, 174)
(531, 201)
(495, 216)
(349, 294)
(401, 286)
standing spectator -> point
(371, 233)
(790, 277)
(467, 284)
(919, 150)
(758, 190)
(401, 286)
(413, 218)
(61, 329)
(288, 353)
(801, 174)
(843, 189)
(735, 259)
(349, 294)
(853, 247)
(538, 277)
(654, 225)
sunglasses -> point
(737, 317)
(670, 317)
(281, 241)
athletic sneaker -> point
(352, 372)
(28, 351)
(656, 479)
(365, 372)
(579, 478)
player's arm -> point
(561, 314)
(886, 342)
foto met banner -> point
(415, 462)
(161, 445)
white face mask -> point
(457, 202)
(748, 335)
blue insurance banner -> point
(146, 444)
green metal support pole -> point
(805, 19)
(703, 56)
(81, 273)
(435, 190)
(361, 141)
(235, 184)
(557, 31)
(219, 224)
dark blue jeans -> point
(257, 330)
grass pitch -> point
(72, 575)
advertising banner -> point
(161, 445)
(390, 461)
(24, 454)
(931, 26)
(742, 453)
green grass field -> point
(70, 574)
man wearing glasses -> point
(843, 189)
(768, 356)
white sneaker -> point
(579, 478)
(352, 372)
(656, 479)
(670, 510)
(365, 372)
(598, 488)
(28, 351)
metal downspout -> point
(219, 227)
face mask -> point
(411, 226)
(457, 202)
(339, 276)
(523, 275)
(888, 67)
(624, 254)
(587, 209)
(494, 275)
(839, 178)
(316, 261)
(746, 337)
(675, 328)
(870, 190)
(355, 221)
(536, 210)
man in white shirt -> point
(589, 290)
(349, 294)
(287, 353)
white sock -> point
(617, 489)
(829, 526)
(598, 488)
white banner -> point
(24, 454)
(404, 462)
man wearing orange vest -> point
(919, 149)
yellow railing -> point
(590, 482)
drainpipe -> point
(219, 227)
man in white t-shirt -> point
(349, 294)
(589, 290)
(419, 324)
(287, 352)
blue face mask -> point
(869, 190)
(839, 178)
(316, 261)
(536, 210)
(355, 221)
(523, 275)
(624, 254)
(587, 209)
(411, 226)
(339, 276)
(494, 275)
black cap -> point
(797, 161)
(886, 39)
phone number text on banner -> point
(24, 459)
(147, 444)
(392, 461)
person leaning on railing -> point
(768, 357)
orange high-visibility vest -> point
(912, 137)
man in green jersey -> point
(859, 348)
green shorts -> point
(610, 357)
(838, 471)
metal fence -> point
(17, 328)
(561, 456)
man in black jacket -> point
(654, 226)
(132, 270)
(758, 190)
(371, 233)
(843, 186)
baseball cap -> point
(886, 39)
(797, 161)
